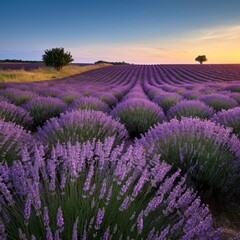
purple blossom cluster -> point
(167, 100)
(89, 103)
(81, 126)
(229, 118)
(219, 101)
(92, 190)
(11, 113)
(12, 139)
(190, 108)
(206, 152)
(137, 112)
(17, 96)
(43, 108)
(138, 115)
(107, 98)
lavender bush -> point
(191, 95)
(18, 97)
(107, 98)
(236, 97)
(207, 152)
(44, 108)
(219, 101)
(81, 126)
(11, 113)
(229, 118)
(190, 108)
(89, 103)
(69, 97)
(232, 88)
(78, 193)
(138, 115)
(166, 100)
(12, 139)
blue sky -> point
(139, 31)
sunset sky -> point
(134, 31)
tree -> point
(57, 58)
(201, 59)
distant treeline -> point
(19, 61)
(114, 63)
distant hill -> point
(114, 63)
(19, 61)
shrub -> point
(190, 108)
(233, 88)
(107, 98)
(11, 113)
(229, 118)
(57, 58)
(89, 103)
(81, 126)
(207, 152)
(166, 100)
(99, 194)
(138, 115)
(219, 101)
(69, 97)
(12, 139)
(236, 97)
(44, 108)
(50, 92)
(191, 95)
(18, 97)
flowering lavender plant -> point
(69, 97)
(192, 94)
(18, 97)
(138, 115)
(107, 98)
(236, 97)
(190, 108)
(11, 113)
(89, 103)
(229, 118)
(12, 139)
(207, 152)
(44, 108)
(166, 100)
(81, 126)
(219, 101)
(80, 193)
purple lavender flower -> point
(44, 108)
(138, 115)
(60, 221)
(12, 139)
(89, 103)
(99, 219)
(166, 100)
(207, 152)
(190, 108)
(106, 97)
(229, 118)
(11, 113)
(17, 96)
(219, 101)
(81, 126)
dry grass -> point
(45, 73)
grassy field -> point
(45, 73)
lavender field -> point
(122, 152)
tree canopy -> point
(201, 58)
(57, 58)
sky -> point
(134, 31)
